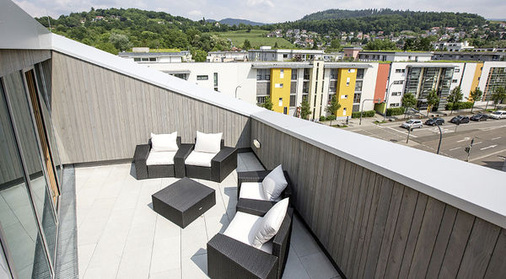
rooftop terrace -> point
(120, 236)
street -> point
(489, 146)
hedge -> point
(368, 113)
(459, 105)
(331, 117)
(395, 111)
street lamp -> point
(362, 108)
(440, 138)
(238, 86)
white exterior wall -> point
(467, 78)
(396, 87)
(230, 75)
(369, 86)
(458, 78)
(170, 59)
(486, 70)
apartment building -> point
(143, 55)
(266, 53)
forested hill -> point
(386, 20)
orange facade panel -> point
(381, 81)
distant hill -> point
(386, 20)
(236, 21)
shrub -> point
(368, 113)
(331, 117)
(459, 105)
(322, 118)
(395, 111)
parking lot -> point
(489, 145)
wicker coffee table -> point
(183, 201)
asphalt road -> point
(489, 146)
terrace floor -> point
(120, 236)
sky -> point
(265, 11)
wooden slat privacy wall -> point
(374, 227)
(102, 115)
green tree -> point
(120, 41)
(333, 106)
(199, 55)
(454, 98)
(107, 47)
(475, 95)
(246, 45)
(335, 44)
(268, 103)
(432, 100)
(408, 101)
(498, 96)
(305, 109)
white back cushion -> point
(208, 143)
(270, 224)
(164, 142)
(274, 184)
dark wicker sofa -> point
(258, 206)
(177, 169)
(230, 258)
(221, 165)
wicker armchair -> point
(221, 165)
(230, 258)
(254, 206)
(144, 171)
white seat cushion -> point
(274, 184)
(243, 228)
(270, 224)
(252, 190)
(164, 142)
(208, 143)
(201, 159)
(161, 158)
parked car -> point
(435, 121)
(412, 123)
(459, 119)
(479, 117)
(498, 114)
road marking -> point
(488, 147)
(402, 132)
(455, 148)
(466, 138)
(495, 138)
(487, 155)
(493, 128)
(477, 143)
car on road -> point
(459, 119)
(498, 114)
(412, 123)
(479, 117)
(435, 121)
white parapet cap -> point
(146, 74)
(475, 189)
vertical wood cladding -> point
(374, 227)
(102, 115)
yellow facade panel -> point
(280, 90)
(477, 75)
(345, 91)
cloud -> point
(194, 13)
(253, 3)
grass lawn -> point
(256, 37)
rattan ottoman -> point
(183, 201)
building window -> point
(263, 74)
(152, 59)
(306, 73)
(457, 70)
(333, 74)
(358, 85)
(455, 81)
(344, 96)
(280, 103)
(137, 59)
(351, 70)
(202, 77)
(348, 81)
(294, 74)
(393, 105)
(360, 73)
(292, 100)
(344, 111)
(398, 81)
(396, 93)
(278, 85)
(282, 73)
(285, 110)
(215, 76)
(181, 76)
(400, 70)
